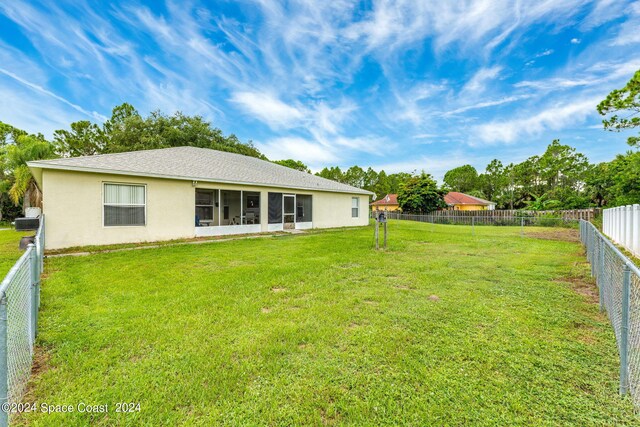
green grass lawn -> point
(9, 249)
(443, 328)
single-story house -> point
(184, 192)
(387, 203)
(465, 202)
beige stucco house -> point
(184, 192)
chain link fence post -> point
(602, 280)
(593, 254)
(624, 331)
(521, 227)
(4, 365)
(34, 267)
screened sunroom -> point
(220, 212)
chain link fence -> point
(19, 303)
(618, 281)
(479, 220)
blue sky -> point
(404, 85)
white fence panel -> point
(622, 225)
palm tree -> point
(15, 157)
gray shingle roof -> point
(199, 164)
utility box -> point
(24, 224)
(382, 216)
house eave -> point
(35, 165)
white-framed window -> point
(355, 207)
(124, 204)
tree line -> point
(559, 178)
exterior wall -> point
(72, 203)
(388, 208)
(334, 210)
(470, 207)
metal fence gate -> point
(19, 303)
(618, 281)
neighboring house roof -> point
(455, 198)
(195, 164)
(389, 199)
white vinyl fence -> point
(622, 225)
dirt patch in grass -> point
(562, 234)
(585, 332)
(265, 310)
(348, 266)
(40, 361)
(582, 287)
(40, 365)
(402, 287)
(434, 297)
(276, 290)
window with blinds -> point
(355, 207)
(124, 205)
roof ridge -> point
(92, 156)
(459, 197)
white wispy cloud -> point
(602, 12)
(485, 104)
(553, 118)
(34, 111)
(298, 148)
(545, 52)
(436, 164)
(38, 88)
(629, 32)
(477, 83)
(593, 75)
(481, 23)
(268, 108)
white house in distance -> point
(185, 192)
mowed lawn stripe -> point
(443, 328)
